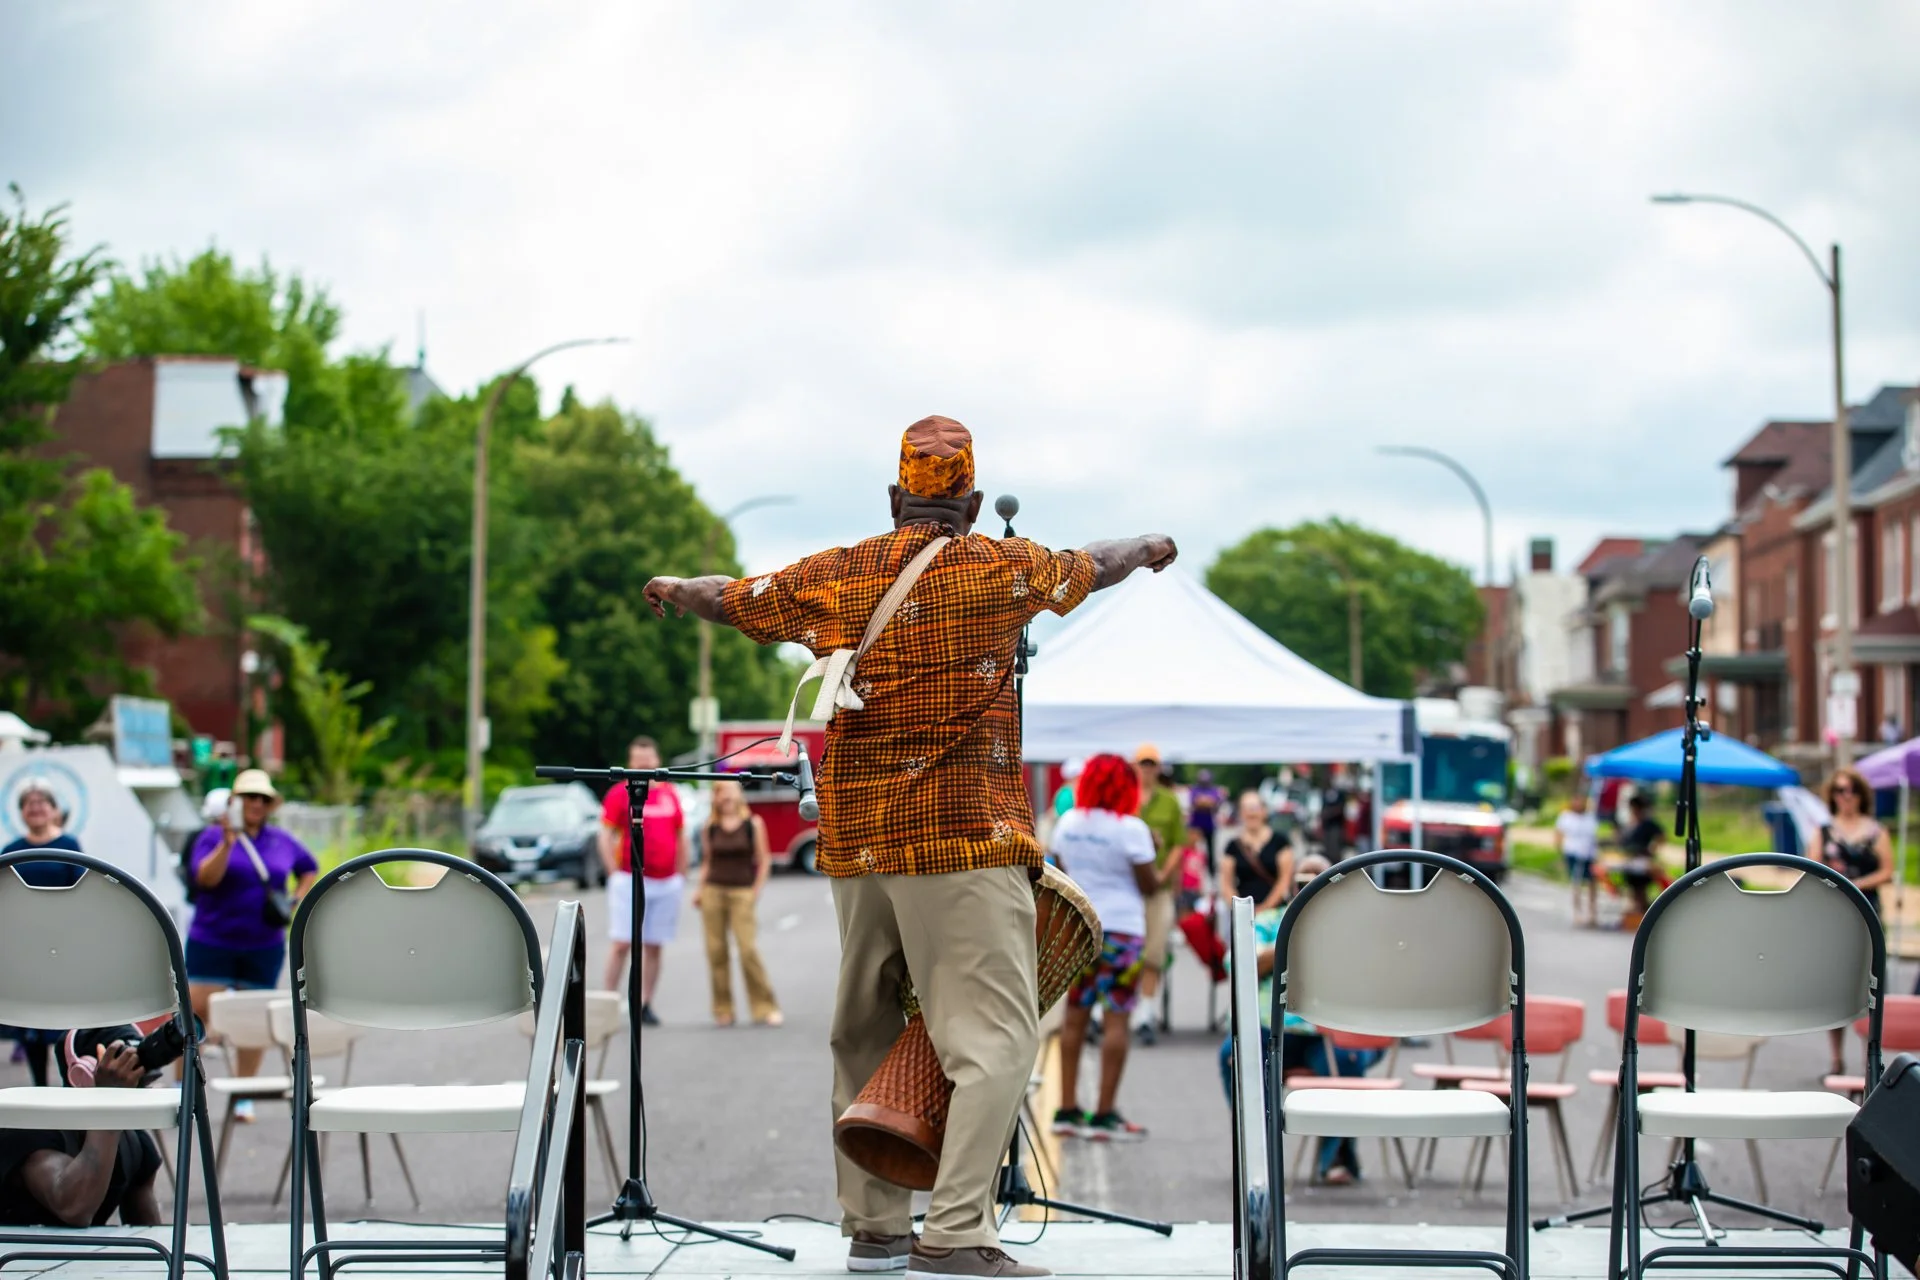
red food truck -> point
(778, 805)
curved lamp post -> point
(1486, 518)
(477, 579)
(706, 714)
(1843, 583)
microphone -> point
(1700, 592)
(809, 803)
(1006, 506)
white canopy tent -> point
(1161, 659)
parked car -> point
(541, 834)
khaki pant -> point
(1153, 950)
(733, 909)
(967, 939)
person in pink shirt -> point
(666, 850)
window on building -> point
(1913, 561)
(1893, 695)
(1891, 576)
(1827, 575)
(1619, 633)
(1792, 616)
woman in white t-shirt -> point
(1109, 853)
(1576, 834)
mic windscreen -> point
(809, 808)
(1006, 506)
(1700, 608)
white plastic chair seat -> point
(56, 1107)
(1417, 1113)
(405, 1108)
(1744, 1113)
(602, 1088)
(256, 1086)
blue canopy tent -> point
(1726, 762)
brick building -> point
(155, 422)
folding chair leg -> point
(1759, 1174)
(286, 1167)
(400, 1154)
(316, 1199)
(226, 1138)
(366, 1168)
(1300, 1147)
(1833, 1157)
(1603, 1145)
(216, 1223)
(606, 1142)
(166, 1157)
(1564, 1151)
(1406, 1169)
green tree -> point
(615, 513)
(1418, 612)
(81, 563)
(328, 703)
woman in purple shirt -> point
(233, 943)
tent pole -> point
(1900, 871)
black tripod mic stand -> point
(1686, 1183)
(1015, 1190)
(635, 1202)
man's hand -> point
(116, 1066)
(698, 596)
(1115, 559)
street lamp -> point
(1352, 586)
(1843, 584)
(477, 580)
(706, 711)
(1486, 518)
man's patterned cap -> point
(936, 459)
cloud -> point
(1180, 267)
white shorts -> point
(662, 902)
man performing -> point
(925, 824)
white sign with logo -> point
(101, 812)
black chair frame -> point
(547, 1190)
(1510, 1263)
(334, 1255)
(1625, 1260)
(193, 1116)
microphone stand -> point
(635, 1202)
(1686, 1183)
(1015, 1191)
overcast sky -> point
(1179, 266)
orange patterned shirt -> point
(928, 777)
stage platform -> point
(1070, 1249)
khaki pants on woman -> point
(733, 910)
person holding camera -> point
(69, 1178)
(238, 940)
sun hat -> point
(1146, 753)
(255, 782)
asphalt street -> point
(738, 1118)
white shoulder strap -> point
(835, 671)
(259, 865)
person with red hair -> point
(1102, 843)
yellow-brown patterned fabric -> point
(936, 459)
(927, 778)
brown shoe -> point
(872, 1251)
(936, 1264)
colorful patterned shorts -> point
(1112, 981)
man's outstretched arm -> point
(697, 596)
(1115, 558)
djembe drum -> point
(895, 1128)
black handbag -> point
(277, 909)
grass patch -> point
(1539, 860)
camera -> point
(155, 1051)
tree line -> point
(362, 503)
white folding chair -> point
(459, 952)
(1725, 961)
(606, 1019)
(329, 1039)
(1354, 957)
(100, 953)
(238, 1020)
